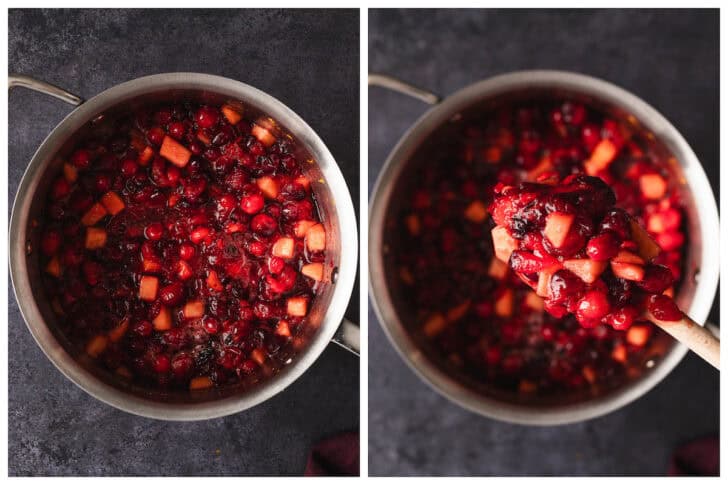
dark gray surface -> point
(309, 61)
(671, 61)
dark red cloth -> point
(699, 457)
(337, 455)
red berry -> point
(161, 364)
(206, 117)
(154, 231)
(81, 159)
(252, 204)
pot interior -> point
(440, 131)
(103, 111)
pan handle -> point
(17, 80)
(347, 336)
(393, 84)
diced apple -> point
(94, 215)
(653, 186)
(70, 172)
(53, 267)
(476, 212)
(526, 387)
(201, 382)
(119, 331)
(263, 135)
(457, 312)
(146, 155)
(232, 113)
(148, 287)
(543, 288)
(123, 372)
(534, 301)
(406, 275)
(628, 271)
(175, 152)
(557, 227)
(258, 355)
(503, 243)
(97, 345)
(315, 271)
(586, 269)
(589, 374)
(316, 238)
(301, 228)
(497, 269)
(638, 335)
(184, 270)
(194, 309)
(283, 329)
(602, 155)
(303, 181)
(95, 238)
(213, 281)
(504, 304)
(413, 224)
(619, 353)
(112, 202)
(163, 320)
(297, 306)
(269, 186)
(434, 325)
(646, 246)
(284, 247)
(625, 256)
(544, 165)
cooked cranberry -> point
(604, 246)
(161, 364)
(663, 308)
(154, 231)
(617, 220)
(199, 234)
(623, 318)
(263, 224)
(176, 130)
(60, 189)
(143, 328)
(163, 116)
(657, 279)
(182, 364)
(50, 242)
(592, 307)
(129, 167)
(81, 159)
(211, 325)
(206, 117)
(156, 136)
(252, 204)
(172, 294)
(186, 251)
(566, 285)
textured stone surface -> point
(309, 61)
(671, 61)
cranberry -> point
(199, 234)
(81, 159)
(129, 167)
(592, 307)
(206, 117)
(154, 231)
(182, 364)
(263, 224)
(252, 204)
(194, 188)
(663, 308)
(143, 328)
(50, 242)
(176, 130)
(186, 251)
(211, 325)
(156, 136)
(566, 285)
(172, 294)
(617, 220)
(60, 188)
(161, 364)
(604, 246)
(657, 279)
(623, 318)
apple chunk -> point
(476, 212)
(557, 227)
(504, 304)
(503, 243)
(95, 238)
(194, 309)
(628, 271)
(586, 269)
(316, 238)
(175, 152)
(284, 247)
(315, 271)
(601, 157)
(163, 320)
(94, 215)
(148, 287)
(297, 306)
(646, 246)
(653, 186)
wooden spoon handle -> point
(697, 338)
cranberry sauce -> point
(476, 315)
(567, 241)
(182, 247)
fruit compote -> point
(182, 246)
(567, 241)
(471, 312)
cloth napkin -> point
(337, 455)
(700, 457)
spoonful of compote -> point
(584, 256)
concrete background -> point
(308, 60)
(670, 59)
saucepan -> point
(695, 294)
(333, 200)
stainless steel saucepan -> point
(695, 295)
(332, 195)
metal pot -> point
(334, 202)
(695, 295)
